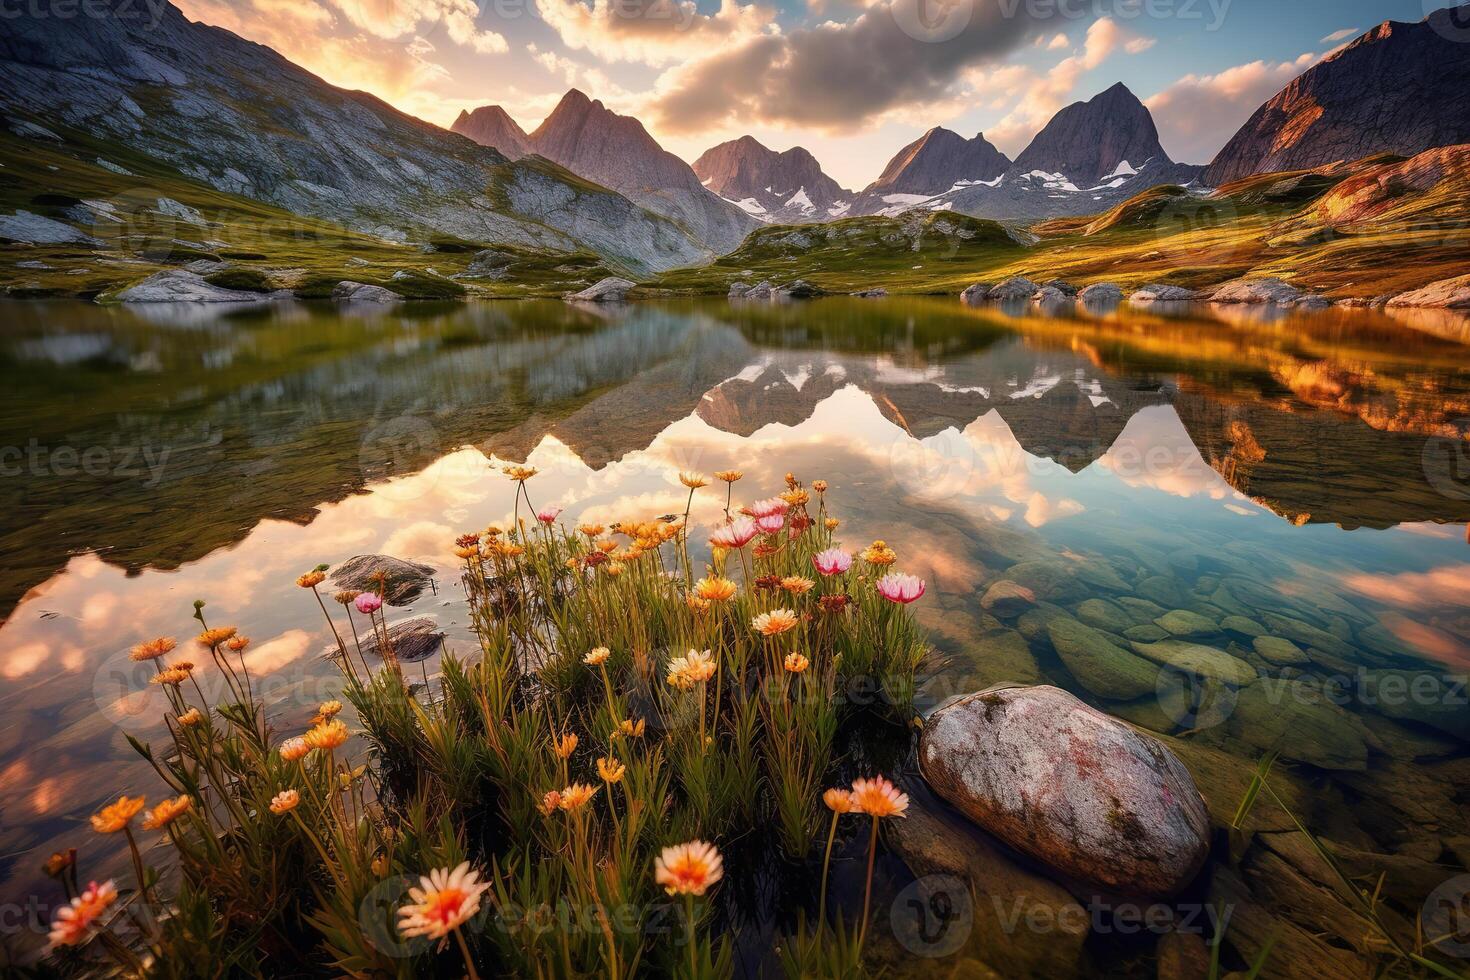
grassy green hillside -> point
(265, 247)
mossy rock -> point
(420, 285)
(1308, 635)
(245, 280)
(1104, 615)
(1197, 659)
(1144, 713)
(1279, 651)
(1242, 625)
(999, 657)
(1164, 591)
(1142, 610)
(1099, 665)
(1297, 720)
(1420, 696)
(1146, 633)
(1183, 622)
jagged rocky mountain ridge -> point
(238, 117)
(935, 163)
(1400, 88)
(781, 188)
(492, 126)
(616, 151)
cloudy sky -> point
(851, 80)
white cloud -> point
(1341, 35)
(1197, 114)
(653, 32)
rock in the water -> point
(403, 582)
(1183, 956)
(761, 290)
(35, 229)
(1197, 659)
(738, 289)
(1070, 786)
(1007, 598)
(1279, 651)
(999, 656)
(977, 292)
(877, 292)
(1147, 633)
(348, 291)
(1100, 665)
(1162, 294)
(1050, 294)
(1060, 286)
(1242, 625)
(1313, 301)
(1297, 720)
(179, 286)
(1101, 292)
(800, 289)
(613, 289)
(1104, 615)
(1451, 294)
(1308, 635)
(1420, 696)
(1183, 622)
(1016, 287)
(411, 640)
(1267, 290)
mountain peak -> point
(491, 125)
(789, 185)
(936, 161)
(1087, 141)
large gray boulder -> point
(1051, 296)
(35, 229)
(1267, 290)
(1101, 292)
(800, 289)
(610, 290)
(1158, 293)
(1016, 287)
(1070, 786)
(181, 286)
(403, 581)
(976, 293)
(1451, 294)
(348, 291)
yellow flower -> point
(173, 676)
(327, 736)
(797, 585)
(565, 745)
(839, 800)
(443, 901)
(330, 709)
(611, 770)
(520, 474)
(294, 748)
(879, 798)
(116, 816)
(191, 718)
(285, 801)
(466, 552)
(693, 480)
(153, 649)
(878, 553)
(697, 604)
(167, 812)
(237, 643)
(796, 497)
(631, 728)
(695, 667)
(613, 568)
(576, 796)
(796, 663)
(715, 589)
(688, 869)
(820, 486)
(591, 530)
(597, 657)
(729, 476)
(775, 622)
(607, 545)
(214, 637)
(831, 523)
(311, 579)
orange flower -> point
(796, 663)
(520, 474)
(591, 530)
(611, 770)
(696, 604)
(167, 812)
(443, 901)
(565, 746)
(330, 709)
(214, 637)
(294, 748)
(631, 728)
(614, 568)
(191, 718)
(597, 657)
(796, 497)
(839, 800)
(878, 553)
(116, 816)
(285, 801)
(327, 736)
(796, 584)
(775, 622)
(695, 667)
(715, 588)
(820, 486)
(879, 798)
(688, 869)
(173, 676)
(607, 546)
(729, 476)
(831, 523)
(311, 579)
(153, 649)
(74, 921)
(550, 803)
(576, 796)
(237, 643)
(693, 480)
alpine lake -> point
(1290, 490)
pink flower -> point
(734, 535)
(898, 587)
(833, 561)
(368, 603)
(548, 514)
(770, 523)
(767, 507)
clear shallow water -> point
(1314, 466)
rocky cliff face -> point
(937, 161)
(616, 151)
(1088, 141)
(786, 187)
(1400, 88)
(238, 117)
(492, 126)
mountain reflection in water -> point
(217, 457)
